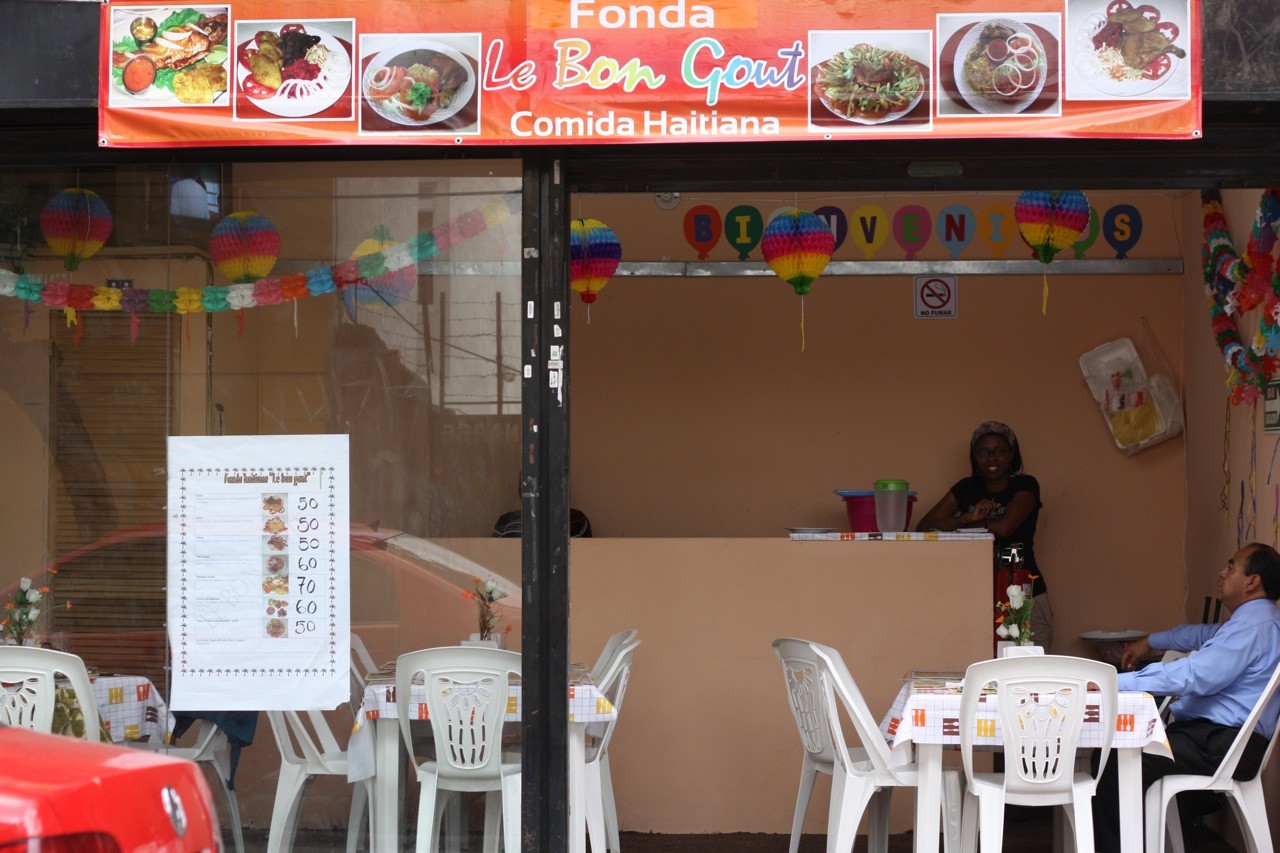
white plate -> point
(407, 53)
(979, 100)
(1113, 635)
(812, 529)
(835, 110)
(1090, 68)
(334, 82)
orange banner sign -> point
(486, 72)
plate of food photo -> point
(1128, 51)
(168, 57)
(418, 83)
(1000, 66)
(291, 70)
(870, 85)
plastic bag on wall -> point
(1141, 406)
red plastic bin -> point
(861, 508)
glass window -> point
(418, 366)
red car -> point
(63, 795)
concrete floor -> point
(1029, 832)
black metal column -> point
(544, 481)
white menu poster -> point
(259, 605)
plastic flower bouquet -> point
(486, 595)
(1013, 617)
(22, 611)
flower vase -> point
(1010, 649)
(26, 641)
(495, 641)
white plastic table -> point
(378, 753)
(929, 717)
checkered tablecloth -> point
(933, 716)
(586, 703)
(131, 708)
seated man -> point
(1216, 687)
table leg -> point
(577, 788)
(386, 787)
(928, 797)
(1129, 777)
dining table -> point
(376, 750)
(130, 708)
(926, 714)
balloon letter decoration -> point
(836, 221)
(1050, 221)
(1082, 245)
(75, 223)
(594, 252)
(244, 247)
(955, 228)
(1122, 226)
(912, 228)
(702, 229)
(995, 228)
(870, 229)
(742, 229)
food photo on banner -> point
(257, 73)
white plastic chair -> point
(362, 666)
(1247, 798)
(212, 748)
(602, 810)
(815, 675)
(360, 653)
(1040, 705)
(28, 688)
(466, 698)
(305, 753)
(607, 653)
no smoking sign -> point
(937, 296)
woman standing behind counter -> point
(999, 497)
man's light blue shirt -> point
(1222, 681)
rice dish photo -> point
(277, 628)
(1001, 67)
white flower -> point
(34, 614)
(1015, 596)
(33, 595)
(24, 584)
(1002, 631)
(1013, 630)
(492, 592)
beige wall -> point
(695, 412)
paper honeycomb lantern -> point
(75, 223)
(244, 247)
(797, 245)
(594, 253)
